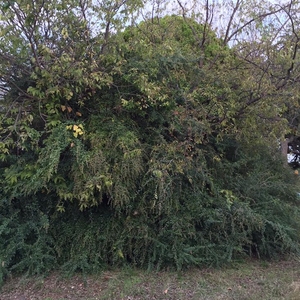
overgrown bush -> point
(26, 245)
(247, 208)
(138, 147)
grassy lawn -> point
(247, 280)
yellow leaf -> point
(75, 127)
(120, 254)
(63, 107)
(69, 96)
(64, 33)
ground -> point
(241, 281)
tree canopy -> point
(129, 137)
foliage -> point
(26, 245)
(150, 145)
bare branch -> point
(235, 9)
(228, 37)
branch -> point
(296, 44)
(188, 23)
(229, 37)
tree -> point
(150, 136)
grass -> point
(244, 281)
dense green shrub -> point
(26, 245)
(138, 148)
(248, 208)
